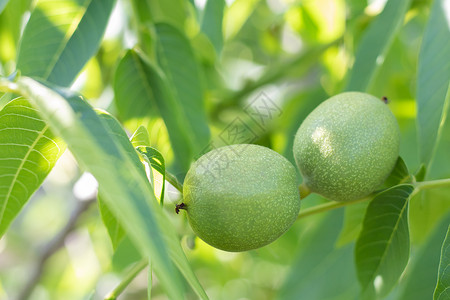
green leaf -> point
(400, 174)
(61, 37)
(128, 194)
(11, 20)
(236, 15)
(178, 62)
(321, 271)
(125, 190)
(156, 161)
(382, 248)
(170, 11)
(442, 291)
(375, 43)
(140, 137)
(420, 173)
(143, 83)
(433, 89)
(28, 152)
(212, 23)
(420, 277)
(115, 230)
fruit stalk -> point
(329, 206)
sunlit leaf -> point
(178, 62)
(236, 15)
(375, 44)
(433, 86)
(125, 188)
(28, 152)
(61, 37)
(442, 291)
(157, 162)
(139, 88)
(382, 248)
(10, 30)
(140, 137)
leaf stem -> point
(174, 181)
(132, 273)
(329, 206)
(432, 184)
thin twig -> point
(422, 185)
(329, 206)
(51, 247)
(131, 274)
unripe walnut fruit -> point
(241, 197)
(347, 146)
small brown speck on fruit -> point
(385, 99)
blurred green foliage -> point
(296, 54)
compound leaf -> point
(433, 88)
(382, 248)
(28, 152)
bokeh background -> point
(283, 55)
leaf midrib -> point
(72, 28)
(19, 170)
(388, 244)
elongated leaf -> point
(147, 89)
(212, 23)
(382, 248)
(28, 151)
(115, 230)
(400, 174)
(177, 60)
(127, 193)
(420, 278)
(236, 16)
(375, 44)
(156, 161)
(11, 28)
(433, 89)
(58, 40)
(442, 291)
(61, 37)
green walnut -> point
(347, 146)
(241, 197)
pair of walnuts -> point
(243, 197)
